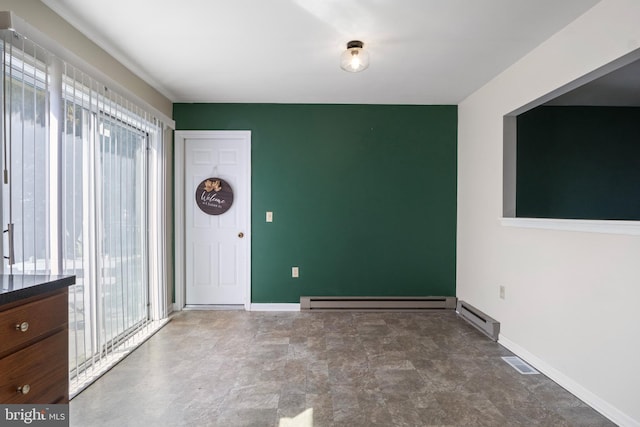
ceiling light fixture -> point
(355, 58)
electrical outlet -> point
(295, 272)
(501, 292)
(269, 216)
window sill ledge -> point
(629, 228)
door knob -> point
(241, 234)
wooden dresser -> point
(34, 339)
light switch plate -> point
(269, 216)
(295, 272)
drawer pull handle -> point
(24, 389)
(22, 327)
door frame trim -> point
(179, 208)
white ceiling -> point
(287, 51)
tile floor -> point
(236, 368)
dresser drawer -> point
(19, 325)
(41, 367)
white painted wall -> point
(36, 14)
(571, 297)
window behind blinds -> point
(25, 156)
(82, 195)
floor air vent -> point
(488, 326)
(520, 365)
(377, 303)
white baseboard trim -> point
(275, 307)
(600, 405)
(260, 307)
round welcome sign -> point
(214, 196)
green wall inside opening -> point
(363, 196)
(576, 162)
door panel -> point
(228, 262)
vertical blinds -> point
(83, 195)
(25, 207)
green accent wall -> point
(579, 163)
(363, 196)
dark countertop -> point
(16, 287)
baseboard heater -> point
(488, 326)
(377, 303)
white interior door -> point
(217, 248)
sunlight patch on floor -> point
(303, 419)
